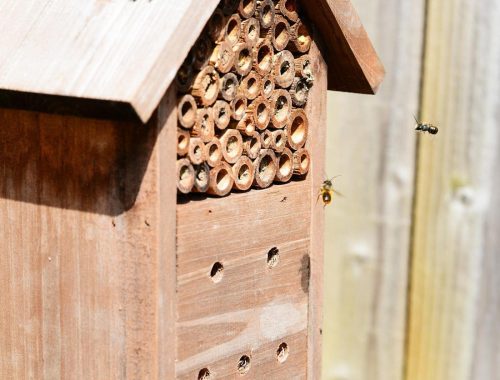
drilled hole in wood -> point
(267, 138)
(304, 38)
(268, 88)
(285, 165)
(244, 365)
(243, 173)
(239, 107)
(210, 86)
(252, 32)
(254, 145)
(248, 6)
(204, 374)
(229, 86)
(282, 352)
(232, 145)
(273, 257)
(266, 169)
(217, 272)
(214, 153)
(304, 162)
(291, 6)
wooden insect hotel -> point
(160, 163)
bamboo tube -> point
(243, 59)
(266, 139)
(299, 92)
(202, 51)
(185, 176)
(300, 38)
(245, 126)
(250, 86)
(221, 112)
(221, 180)
(260, 112)
(213, 152)
(216, 25)
(252, 145)
(205, 126)
(278, 141)
(184, 78)
(196, 151)
(279, 33)
(263, 57)
(230, 6)
(186, 111)
(284, 69)
(243, 173)
(266, 14)
(250, 31)
(239, 107)
(233, 30)
(232, 145)
(182, 141)
(301, 162)
(281, 106)
(229, 86)
(297, 129)
(285, 166)
(247, 8)
(288, 8)
(267, 86)
(206, 86)
(201, 178)
(303, 67)
(223, 57)
(265, 168)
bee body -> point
(424, 127)
(326, 192)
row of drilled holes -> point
(244, 363)
(217, 272)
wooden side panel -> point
(316, 110)
(86, 247)
(253, 308)
(455, 301)
(371, 144)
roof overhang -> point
(127, 53)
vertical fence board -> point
(454, 329)
(371, 144)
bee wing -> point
(337, 176)
(339, 194)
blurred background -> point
(412, 276)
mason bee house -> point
(160, 164)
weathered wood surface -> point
(353, 64)
(454, 330)
(87, 266)
(372, 145)
(316, 111)
(129, 52)
(125, 51)
(253, 308)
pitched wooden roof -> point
(128, 52)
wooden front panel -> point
(253, 309)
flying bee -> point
(429, 128)
(327, 191)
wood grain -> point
(371, 144)
(353, 64)
(86, 268)
(128, 52)
(254, 308)
(454, 330)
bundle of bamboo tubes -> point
(242, 92)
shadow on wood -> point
(70, 162)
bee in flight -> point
(429, 128)
(327, 191)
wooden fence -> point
(413, 249)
